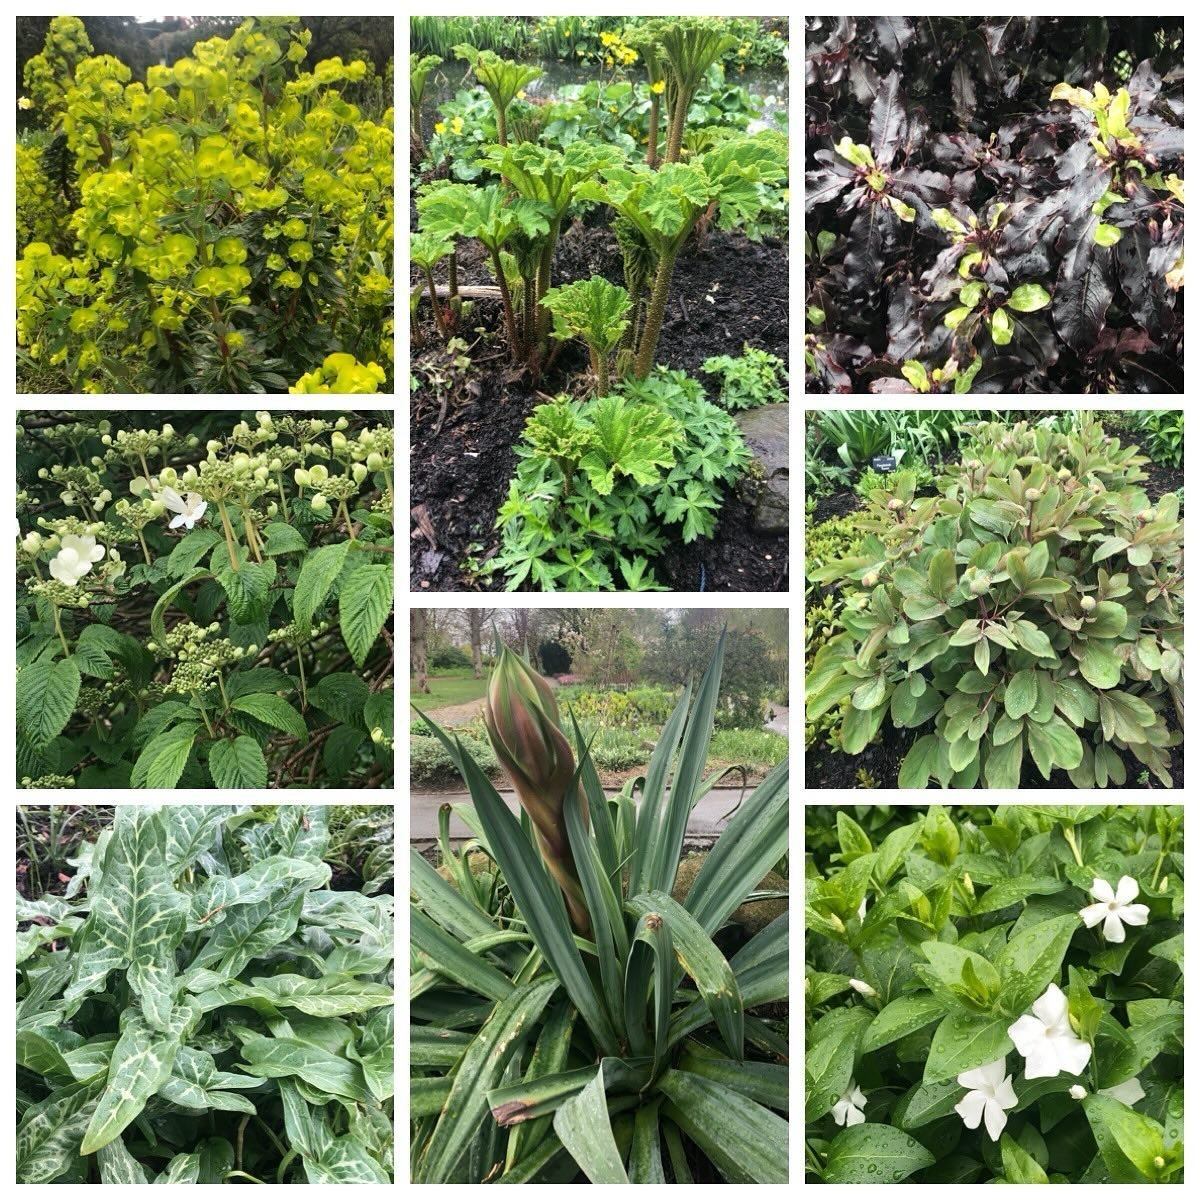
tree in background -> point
(417, 654)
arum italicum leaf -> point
(49, 1134)
(137, 918)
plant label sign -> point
(884, 463)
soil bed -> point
(726, 293)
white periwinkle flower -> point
(991, 1092)
(1113, 908)
(863, 989)
(1046, 1040)
(189, 509)
(849, 1109)
(1077, 1091)
(75, 558)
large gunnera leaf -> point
(137, 918)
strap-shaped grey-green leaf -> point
(117, 1165)
(747, 1142)
(437, 951)
(582, 1125)
(700, 958)
(766, 1083)
(481, 1069)
(275, 1058)
(751, 844)
(141, 1064)
(650, 965)
(137, 919)
(49, 1134)
(445, 904)
(549, 1058)
(433, 1047)
(645, 1153)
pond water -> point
(767, 86)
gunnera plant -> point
(1034, 608)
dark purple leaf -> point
(1084, 292)
(820, 187)
(888, 121)
(893, 34)
(873, 228)
(962, 90)
(1144, 84)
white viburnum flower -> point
(190, 508)
(863, 989)
(1129, 1092)
(849, 1109)
(1113, 908)
(1046, 1041)
(990, 1093)
(74, 560)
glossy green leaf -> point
(274, 711)
(582, 1125)
(872, 1153)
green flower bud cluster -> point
(185, 635)
(339, 487)
(200, 662)
(48, 782)
(24, 501)
(378, 441)
(300, 429)
(134, 517)
(133, 445)
(292, 635)
(91, 702)
(248, 438)
(381, 739)
(385, 504)
(62, 526)
(221, 478)
(59, 594)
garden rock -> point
(766, 485)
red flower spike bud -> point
(523, 725)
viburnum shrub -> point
(994, 204)
(1031, 611)
(572, 1015)
(994, 995)
(230, 221)
(207, 1010)
(223, 622)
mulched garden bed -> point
(727, 292)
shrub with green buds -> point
(1021, 614)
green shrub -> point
(430, 763)
(748, 381)
(632, 709)
(1034, 607)
(1162, 436)
(450, 658)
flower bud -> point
(1159, 1161)
(168, 476)
(213, 446)
(377, 734)
(870, 579)
(863, 989)
(260, 474)
(263, 418)
(319, 473)
(275, 465)
(895, 504)
(1078, 1092)
(1087, 604)
(318, 502)
(302, 477)
(374, 461)
(522, 721)
(338, 441)
(1031, 494)
(1063, 473)
(106, 440)
(32, 543)
(341, 423)
(168, 431)
(241, 461)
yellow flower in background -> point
(25, 102)
(440, 127)
(521, 94)
(456, 126)
(658, 87)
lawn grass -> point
(446, 688)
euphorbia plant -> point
(1033, 607)
(584, 1059)
(972, 1016)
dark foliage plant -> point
(994, 204)
(930, 937)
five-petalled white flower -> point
(991, 1092)
(1046, 1041)
(849, 1109)
(190, 507)
(863, 988)
(1113, 908)
(74, 559)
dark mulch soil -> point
(727, 292)
(838, 504)
(1162, 480)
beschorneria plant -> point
(566, 1040)
(207, 975)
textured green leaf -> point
(874, 1154)
(248, 590)
(117, 1165)
(190, 830)
(282, 538)
(162, 761)
(363, 607)
(375, 1051)
(46, 696)
(963, 1042)
(190, 549)
(273, 711)
(137, 918)
(900, 1018)
(330, 996)
(49, 1134)
(344, 1161)
(275, 1058)
(183, 1168)
(141, 1064)
(317, 576)
(1031, 960)
(341, 695)
(238, 764)
(253, 930)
